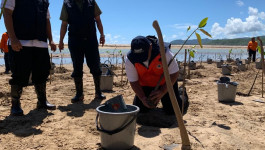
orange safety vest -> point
(252, 46)
(151, 75)
(3, 44)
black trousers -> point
(81, 48)
(250, 53)
(29, 60)
(166, 102)
(7, 64)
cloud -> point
(115, 39)
(236, 27)
(240, 3)
(183, 26)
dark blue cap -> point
(139, 48)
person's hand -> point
(61, 46)
(16, 45)
(102, 40)
(146, 103)
(156, 96)
(53, 46)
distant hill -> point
(237, 41)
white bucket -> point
(226, 92)
(219, 64)
(117, 129)
(259, 65)
(106, 82)
(226, 69)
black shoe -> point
(45, 105)
(77, 98)
(100, 96)
(16, 111)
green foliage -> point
(230, 51)
(203, 23)
(199, 39)
(192, 51)
(232, 42)
(206, 33)
(188, 29)
(259, 49)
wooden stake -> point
(262, 60)
(184, 78)
(183, 131)
(122, 65)
(50, 71)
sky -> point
(125, 19)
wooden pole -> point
(50, 71)
(262, 59)
(184, 78)
(122, 66)
(183, 131)
(189, 68)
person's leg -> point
(40, 72)
(93, 62)
(167, 105)
(254, 56)
(20, 64)
(138, 102)
(6, 57)
(249, 55)
(77, 55)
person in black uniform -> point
(28, 26)
(80, 17)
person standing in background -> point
(4, 49)
(252, 48)
(80, 17)
(28, 26)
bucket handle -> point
(116, 130)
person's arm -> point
(101, 30)
(49, 34)
(8, 19)
(139, 92)
(248, 47)
(63, 31)
(158, 94)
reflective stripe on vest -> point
(151, 75)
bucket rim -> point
(117, 113)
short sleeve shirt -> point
(10, 4)
(64, 14)
(132, 74)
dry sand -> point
(210, 124)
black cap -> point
(139, 48)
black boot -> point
(42, 103)
(79, 90)
(16, 92)
(98, 93)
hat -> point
(139, 49)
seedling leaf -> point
(206, 33)
(199, 39)
(203, 22)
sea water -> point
(200, 55)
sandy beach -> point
(210, 124)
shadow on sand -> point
(24, 126)
(78, 109)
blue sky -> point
(125, 19)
